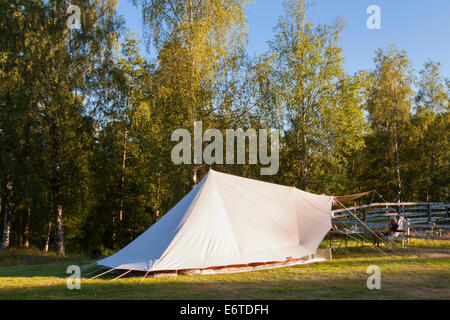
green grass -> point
(420, 272)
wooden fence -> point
(425, 220)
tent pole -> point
(363, 225)
(101, 274)
(362, 237)
(88, 266)
(363, 243)
(145, 275)
(120, 275)
(92, 272)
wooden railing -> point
(425, 220)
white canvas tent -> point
(228, 220)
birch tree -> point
(196, 40)
(390, 102)
(323, 107)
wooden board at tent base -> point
(321, 255)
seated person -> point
(392, 228)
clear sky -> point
(420, 27)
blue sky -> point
(420, 27)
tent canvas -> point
(228, 220)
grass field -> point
(420, 272)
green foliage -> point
(322, 106)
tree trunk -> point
(304, 155)
(27, 216)
(47, 239)
(304, 168)
(56, 188)
(397, 165)
(122, 177)
(60, 249)
(113, 227)
(430, 175)
(304, 148)
(7, 216)
(6, 227)
(158, 196)
(26, 229)
(194, 176)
